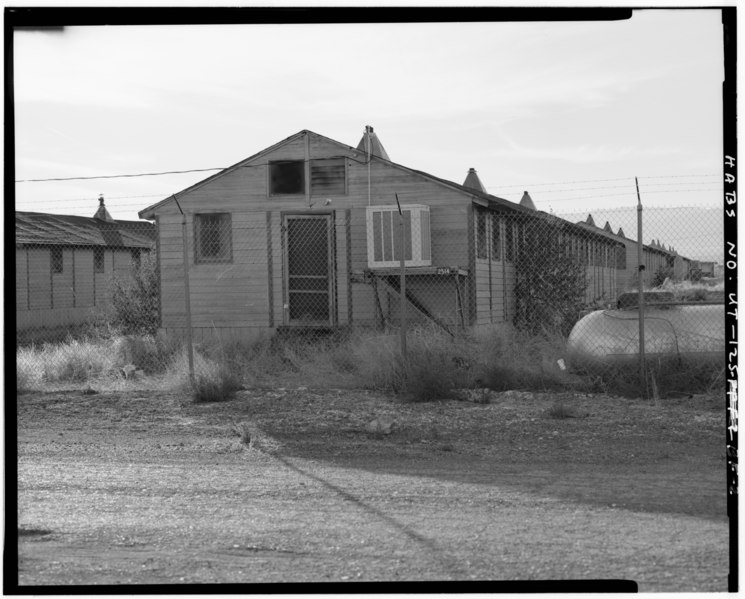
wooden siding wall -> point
(249, 294)
(496, 275)
(627, 279)
(223, 295)
(448, 216)
(72, 297)
(22, 288)
(84, 290)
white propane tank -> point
(611, 337)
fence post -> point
(402, 286)
(187, 294)
(640, 265)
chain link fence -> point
(488, 295)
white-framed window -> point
(384, 246)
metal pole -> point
(403, 281)
(640, 266)
(187, 293)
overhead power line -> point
(630, 179)
(521, 186)
(195, 170)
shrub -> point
(24, 381)
(435, 365)
(522, 361)
(219, 383)
(135, 297)
(75, 360)
(429, 376)
(667, 376)
(550, 285)
(28, 369)
(243, 431)
(151, 354)
(662, 273)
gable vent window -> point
(213, 238)
(384, 247)
(328, 176)
(287, 177)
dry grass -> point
(666, 378)
(561, 411)
(92, 360)
(437, 364)
(515, 360)
(74, 361)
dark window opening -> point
(287, 177)
(480, 234)
(496, 237)
(213, 238)
(509, 242)
(98, 260)
(56, 257)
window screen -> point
(495, 237)
(98, 260)
(480, 234)
(509, 241)
(213, 238)
(56, 258)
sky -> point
(571, 112)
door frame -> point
(328, 216)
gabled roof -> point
(479, 197)
(37, 228)
(149, 211)
(487, 198)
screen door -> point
(309, 268)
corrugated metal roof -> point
(37, 228)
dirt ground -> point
(149, 488)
